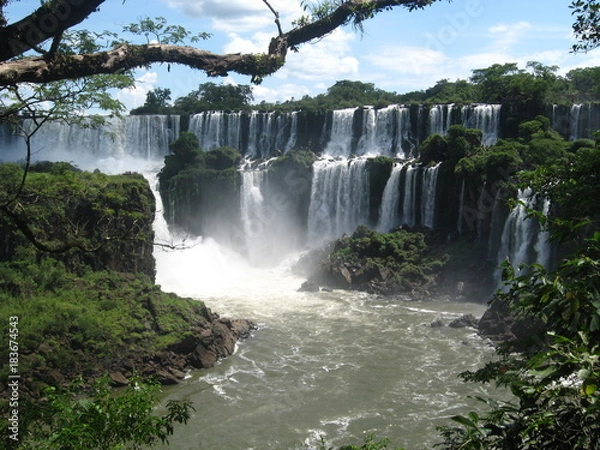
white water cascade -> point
(575, 121)
(409, 205)
(484, 117)
(389, 214)
(217, 129)
(378, 132)
(340, 140)
(336, 365)
(253, 212)
(428, 196)
(523, 241)
(339, 199)
(440, 119)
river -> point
(333, 365)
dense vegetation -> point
(555, 378)
(527, 90)
(91, 308)
(396, 262)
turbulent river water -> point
(333, 365)
(329, 365)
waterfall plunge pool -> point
(338, 365)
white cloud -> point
(280, 93)
(328, 59)
(239, 15)
(257, 43)
(504, 36)
(407, 60)
(136, 96)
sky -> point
(398, 50)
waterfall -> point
(378, 132)
(252, 204)
(390, 203)
(146, 137)
(340, 139)
(428, 198)
(403, 128)
(409, 209)
(483, 117)
(575, 120)
(523, 241)
(440, 119)
(339, 199)
(216, 129)
(291, 143)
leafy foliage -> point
(405, 254)
(101, 419)
(60, 208)
(556, 379)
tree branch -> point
(49, 20)
(129, 56)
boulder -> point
(468, 320)
(309, 286)
(118, 379)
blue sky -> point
(399, 50)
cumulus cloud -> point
(136, 96)
(328, 59)
(280, 93)
(238, 15)
(505, 36)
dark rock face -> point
(468, 320)
(499, 325)
(200, 349)
(309, 286)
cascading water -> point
(253, 209)
(378, 132)
(440, 119)
(340, 139)
(485, 118)
(403, 148)
(389, 214)
(409, 208)
(523, 241)
(575, 121)
(333, 364)
(428, 196)
(217, 129)
(339, 199)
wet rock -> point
(437, 323)
(118, 379)
(468, 320)
(309, 286)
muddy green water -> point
(337, 365)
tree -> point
(587, 24)
(50, 22)
(211, 96)
(101, 420)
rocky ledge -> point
(400, 262)
(200, 349)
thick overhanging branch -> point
(346, 12)
(56, 67)
(39, 70)
(49, 20)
